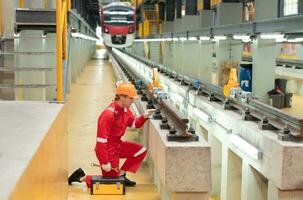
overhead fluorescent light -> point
(161, 39)
(175, 39)
(271, 36)
(281, 40)
(246, 40)
(158, 39)
(241, 37)
(295, 40)
(201, 115)
(192, 38)
(246, 147)
(182, 38)
(204, 38)
(219, 37)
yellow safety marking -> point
(21, 3)
(286, 57)
(107, 189)
(146, 49)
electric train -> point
(118, 24)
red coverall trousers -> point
(112, 124)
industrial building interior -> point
(225, 78)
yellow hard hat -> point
(126, 89)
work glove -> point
(148, 113)
(106, 167)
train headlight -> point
(131, 29)
(106, 29)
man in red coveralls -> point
(112, 124)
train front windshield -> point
(118, 25)
(118, 17)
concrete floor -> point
(93, 91)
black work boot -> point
(75, 177)
(128, 183)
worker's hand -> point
(148, 113)
(106, 167)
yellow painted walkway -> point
(93, 91)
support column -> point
(225, 50)
(170, 10)
(216, 165)
(8, 19)
(264, 53)
(234, 176)
(224, 172)
(7, 46)
(75, 59)
(80, 44)
(195, 58)
(205, 59)
(161, 6)
(179, 8)
(70, 66)
(254, 185)
(9, 15)
(177, 57)
(191, 7)
(154, 51)
(30, 42)
(231, 175)
(50, 62)
(168, 55)
(206, 4)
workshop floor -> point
(93, 91)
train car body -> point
(118, 24)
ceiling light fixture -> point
(271, 36)
(192, 38)
(219, 37)
(204, 38)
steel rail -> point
(178, 128)
(257, 109)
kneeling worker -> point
(112, 124)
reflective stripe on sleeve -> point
(141, 151)
(101, 140)
(134, 123)
(110, 109)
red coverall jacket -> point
(112, 124)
